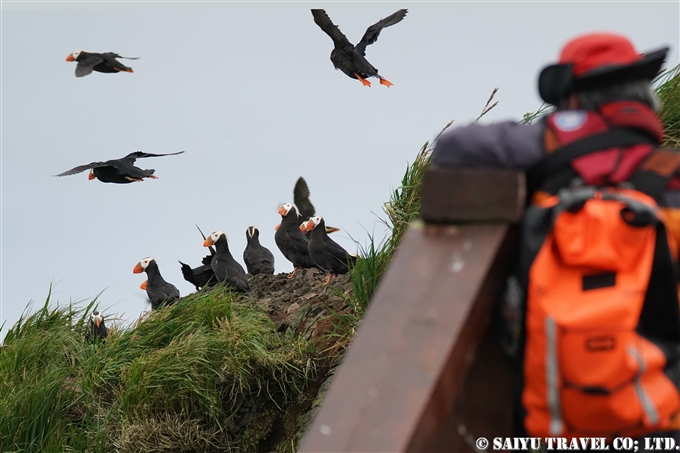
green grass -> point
(181, 376)
(668, 89)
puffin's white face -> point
(145, 262)
(76, 54)
(251, 231)
(216, 235)
(285, 209)
(96, 318)
(316, 220)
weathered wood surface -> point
(472, 194)
(396, 385)
(425, 365)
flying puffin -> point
(349, 58)
(326, 253)
(97, 328)
(100, 62)
(202, 275)
(159, 291)
(223, 264)
(258, 259)
(119, 171)
(290, 240)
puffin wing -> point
(373, 31)
(336, 250)
(324, 22)
(87, 64)
(130, 158)
(301, 199)
(115, 55)
(82, 168)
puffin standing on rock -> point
(200, 276)
(225, 267)
(326, 253)
(119, 171)
(258, 259)
(305, 207)
(291, 241)
(349, 58)
(100, 62)
(97, 328)
(159, 291)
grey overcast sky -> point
(251, 95)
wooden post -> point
(424, 366)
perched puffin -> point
(349, 58)
(97, 328)
(290, 240)
(119, 171)
(304, 205)
(100, 62)
(159, 291)
(326, 253)
(200, 276)
(225, 267)
(258, 259)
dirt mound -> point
(303, 303)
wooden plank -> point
(484, 406)
(472, 194)
(408, 361)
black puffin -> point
(159, 291)
(97, 328)
(326, 253)
(349, 58)
(200, 276)
(119, 171)
(258, 259)
(290, 240)
(100, 62)
(225, 267)
(304, 205)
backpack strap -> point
(652, 176)
(562, 157)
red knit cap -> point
(595, 50)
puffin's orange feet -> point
(153, 177)
(363, 81)
(385, 82)
(292, 273)
(328, 280)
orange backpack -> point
(601, 313)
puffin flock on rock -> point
(302, 236)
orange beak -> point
(303, 228)
(96, 322)
(282, 211)
(143, 285)
(138, 269)
(91, 176)
(208, 242)
(310, 225)
(70, 57)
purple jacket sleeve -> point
(507, 144)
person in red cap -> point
(603, 131)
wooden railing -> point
(425, 371)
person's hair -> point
(635, 90)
